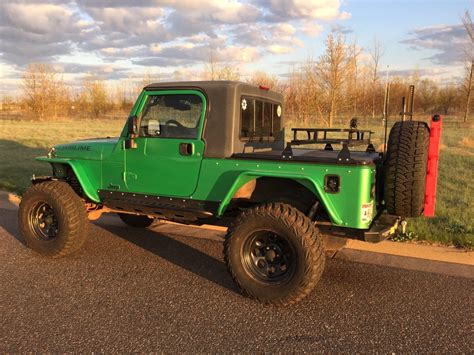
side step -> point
(170, 208)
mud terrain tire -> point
(52, 219)
(405, 168)
(274, 253)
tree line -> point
(345, 81)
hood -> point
(90, 149)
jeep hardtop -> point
(214, 152)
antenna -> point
(411, 100)
(408, 104)
(385, 109)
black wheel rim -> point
(269, 257)
(43, 221)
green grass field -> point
(22, 140)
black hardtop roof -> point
(209, 86)
(198, 83)
(222, 129)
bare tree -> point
(262, 78)
(7, 103)
(375, 55)
(44, 90)
(353, 71)
(149, 78)
(447, 99)
(427, 95)
(468, 25)
(220, 70)
(95, 95)
(332, 70)
(210, 68)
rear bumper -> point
(382, 228)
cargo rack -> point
(355, 137)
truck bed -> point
(313, 156)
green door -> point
(168, 154)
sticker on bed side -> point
(367, 211)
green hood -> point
(90, 149)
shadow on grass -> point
(17, 165)
(176, 252)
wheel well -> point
(65, 172)
(270, 189)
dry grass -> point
(466, 142)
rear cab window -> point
(260, 119)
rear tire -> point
(274, 253)
(52, 219)
(405, 168)
(137, 221)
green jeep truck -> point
(215, 153)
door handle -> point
(186, 148)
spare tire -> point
(405, 168)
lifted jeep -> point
(215, 153)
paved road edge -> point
(406, 262)
(427, 258)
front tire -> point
(274, 253)
(52, 219)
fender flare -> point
(81, 175)
(310, 184)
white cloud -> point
(109, 35)
(139, 20)
(277, 49)
(155, 48)
(315, 9)
(284, 29)
(311, 28)
(447, 40)
(41, 18)
(38, 32)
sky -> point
(174, 39)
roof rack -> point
(355, 137)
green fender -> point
(86, 179)
(310, 184)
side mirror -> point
(132, 128)
(153, 128)
(132, 125)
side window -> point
(267, 119)
(247, 109)
(259, 119)
(171, 116)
